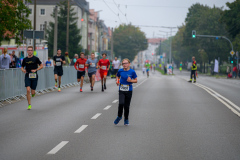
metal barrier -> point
(12, 85)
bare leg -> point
(28, 95)
(93, 80)
(59, 81)
(82, 78)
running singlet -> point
(31, 63)
(104, 64)
(124, 84)
(148, 66)
(80, 64)
(58, 62)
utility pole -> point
(170, 50)
(112, 45)
(67, 38)
(34, 26)
(55, 31)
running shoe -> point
(59, 89)
(91, 88)
(117, 120)
(194, 82)
(102, 89)
(80, 90)
(29, 107)
(126, 122)
(105, 86)
(190, 81)
(33, 95)
(55, 84)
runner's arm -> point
(75, 65)
(132, 80)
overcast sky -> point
(169, 13)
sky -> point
(150, 15)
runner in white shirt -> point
(116, 65)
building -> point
(46, 7)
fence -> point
(12, 85)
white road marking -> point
(106, 108)
(81, 129)
(218, 97)
(115, 101)
(58, 147)
(96, 116)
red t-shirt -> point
(80, 64)
(235, 69)
(103, 64)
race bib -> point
(104, 67)
(32, 75)
(58, 63)
(93, 65)
(124, 87)
(81, 66)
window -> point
(30, 10)
(42, 27)
(42, 11)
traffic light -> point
(193, 34)
(82, 19)
(231, 60)
(180, 64)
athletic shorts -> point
(58, 72)
(103, 73)
(31, 82)
(90, 74)
(115, 71)
(147, 70)
(80, 74)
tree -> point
(74, 31)
(13, 19)
(128, 41)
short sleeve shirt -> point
(124, 76)
(58, 62)
(92, 68)
(116, 64)
(104, 64)
(80, 64)
(31, 63)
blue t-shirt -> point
(48, 63)
(124, 84)
(92, 68)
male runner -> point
(92, 69)
(30, 67)
(104, 66)
(80, 67)
(116, 65)
(148, 68)
(58, 62)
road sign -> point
(232, 53)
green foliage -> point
(128, 41)
(74, 32)
(13, 19)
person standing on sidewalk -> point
(5, 60)
(127, 77)
(234, 72)
(193, 70)
(30, 66)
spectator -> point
(14, 60)
(74, 60)
(5, 60)
(67, 59)
(48, 63)
(234, 72)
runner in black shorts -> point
(58, 61)
(30, 68)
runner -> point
(128, 76)
(58, 62)
(148, 68)
(80, 67)
(104, 66)
(116, 65)
(30, 67)
(92, 69)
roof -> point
(155, 40)
(80, 3)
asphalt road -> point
(169, 119)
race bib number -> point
(93, 65)
(58, 63)
(32, 75)
(81, 66)
(104, 67)
(124, 87)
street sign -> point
(232, 53)
(30, 34)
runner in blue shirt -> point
(92, 64)
(127, 77)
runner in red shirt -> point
(104, 66)
(80, 67)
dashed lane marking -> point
(106, 108)
(96, 116)
(81, 129)
(115, 101)
(58, 147)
